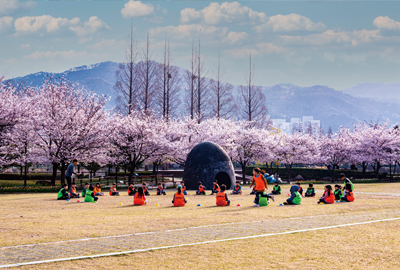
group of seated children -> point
(344, 195)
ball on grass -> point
(78, 201)
(239, 205)
(157, 204)
(199, 205)
(121, 203)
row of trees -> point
(58, 121)
(168, 91)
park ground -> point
(40, 218)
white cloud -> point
(242, 52)
(89, 27)
(227, 12)
(40, 24)
(25, 46)
(104, 43)
(8, 7)
(50, 54)
(331, 37)
(190, 31)
(136, 9)
(5, 22)
(384, 22)
(270, 48)
(287, 23)
(236, 37)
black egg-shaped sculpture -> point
(208, 162)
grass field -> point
(39, 218)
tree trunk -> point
(131, 171)
(289, 170)
(116, 174)
(54, 175)
(333, 173)
(26, 171)
(63, 173)
(20, 172)
(364, 167)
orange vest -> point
(96, 190)
(237, 188)
(260, 184)
(144, 190)
(202, 189)
(350, 197)
(73, 190)
(130, 189)
(112, 190)
(331, 197)
(183, 188)
(179, 199)
(221, 200)
(216, 187)
(160, 190)
(138, 200)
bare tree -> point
(223, 103)
(168, 98)
(189, 79)
(126, 86)
(251, 101)
(202, 87)
(147, 70)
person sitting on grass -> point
(276, 189)
(338, 192)
(295, 197)
(72, 191)
(328, 197)
(346, 180)
(85, 189)
(201, 189)
(300, 188)
(222, 198)
(90, 196)
(145, 190)
(131, 190)
(179, 198)
(63, 193)
(160, 190)
(260, 185)
(237, 189)
(113, 190)
(310, 192)
(140, 197)
(183, 188)
(97, 190)
(215, 188)
(348, 194)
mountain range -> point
(334, 108)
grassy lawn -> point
(35, 218)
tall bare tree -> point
(190, 79)
(223, 102)
(126, 84)
(202, 87)
(251, 101)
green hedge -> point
(29, 176)
(317, 174)
(127, 173)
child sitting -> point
(63, 193)
(85, 189)
(183, 188)
(139, 198)
(160, 190)
(310, 192)
(348, 194)
(222, 198)
(72, 191)
(215, 188)
(113, 190)
(89, 195)
(145, 191)
(179, 198)
(237, 189)
(328, 196)
(300, 188)
(338, 192)
(131, 190)
(97, 190)
(276, 189)
(201, 190)
(295, 198)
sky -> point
(334, 43)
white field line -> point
(144, 233)
(196, 243)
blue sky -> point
(334, 43)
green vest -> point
(338, 192)
(310, 190)
(88, 196)
(297, 199)
(351, 183)
(84, 192)
(276, 188)
(60, 194)
(262, 201)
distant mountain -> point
(378, 91)
(334, 108)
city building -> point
(306, 124)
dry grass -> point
(373, 246)
(34, 218)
